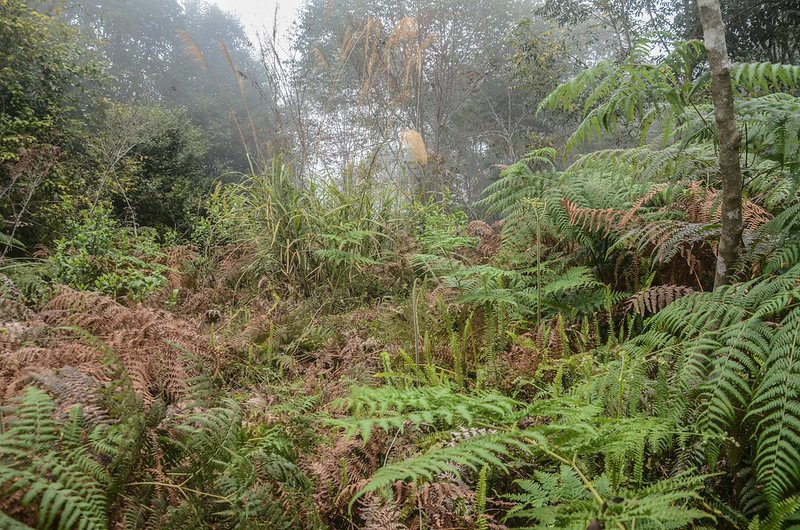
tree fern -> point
(635, 89)
(735, 373)
(726, 391)
(652, 164)
(707, 381)
(777, 242)
(765, 77)
(573, 428)
(776, 403)
(642, 92)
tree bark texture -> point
(728, 138)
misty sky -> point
(259, 14)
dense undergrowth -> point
(338, 357)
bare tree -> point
(728, 138)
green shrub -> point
(99, 254)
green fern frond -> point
(58, 479)
(777, 517)
(776, 403)
(392, 408)
(11, 524)
(765, 77)
(561, 500)
(726, 392)
(474, 452)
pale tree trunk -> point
(728, 138)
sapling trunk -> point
(728, 138)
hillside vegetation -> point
(296, 348)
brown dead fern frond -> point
(630, 214)
(754, 215)
(17, 367)
(446, 503)
(340, 470)
(443, 504)
(607, 219)
(82, 329)
(380, 514)
(703, 206)
(489, 238)
(693, 202)
(69, 386)
(592, 219)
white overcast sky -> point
(258, 15)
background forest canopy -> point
(406, 265)
(145, 105)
